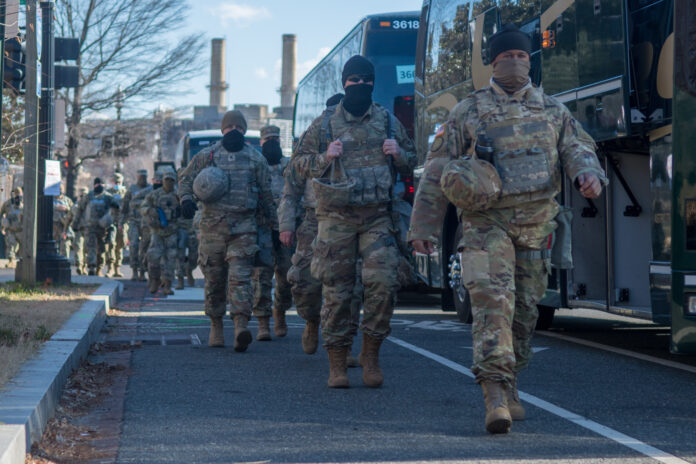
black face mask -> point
(156, 186)
(358, 98)
(17, 200)
(272, 151)
(233, 141)
(98, 189)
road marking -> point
(621, 351)
(593, 426)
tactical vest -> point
(118, 192)
(243, 193)
(138, 195)
(525, 142)
(167, 205)
(277, 180)
(363, 159)
(14, 217)
(96, 208)
(61, 208)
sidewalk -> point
(29, 400)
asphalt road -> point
(187, 403)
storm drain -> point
(154, 340)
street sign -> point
(39, 36)
(52, 180)
(38, 79)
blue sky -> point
(253, 31)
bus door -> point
(684, 188)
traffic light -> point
(13, 62)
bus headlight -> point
(690, 304)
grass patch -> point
(30, 315)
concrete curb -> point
(29, 400)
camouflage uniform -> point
(11, 217)
(504, 263)
(117, 239)
(228, 226)
(92, 216)
(62, 217)
(363, 228)
(138, 234)
(78, 244)
(187, 240)
(161, 211)
(272, 258)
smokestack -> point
(217, 74)
(288, 85)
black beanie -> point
(357, 65)
(97, 180)
(508, 38)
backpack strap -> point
(326, 132)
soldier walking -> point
(273, 257)
(62, 217)
(117, 240)
(355, 155)
(187, 258)
(78, 245)
(93, 218)
(11, 222)
(161, 210)
(498, 159)
(131, 221)
(231, 179)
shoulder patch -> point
(439, 138)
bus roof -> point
(396, 14)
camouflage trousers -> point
(116, 245)
(135, 243)
(227, 262)
(145, 234)
(186, 263)
(504, 290)
(306, 290)
(161, 256)
(271, 260)
(338, 246)
(78, 246)
(12, 244)
(96, 238)
(62, 241)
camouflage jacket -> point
(91, 208)
(362, 138)
(297, 195)
(256, 190)
(161, 211)
(277, 180)
(572, 149)
(131, 202)
(62, 210)
(11, 216)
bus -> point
(626, 70)
(389, 41)
(194, 141)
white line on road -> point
(599, 429)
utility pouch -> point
(562, 249)
(333, 189)
(523, 171)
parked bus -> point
(613, 64)
(194, 141)
(389, 42)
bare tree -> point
(126, 43)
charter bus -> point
(389, 42)
(194, 141)
(627, 71)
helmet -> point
(210, 184)
(118, 177)
(471, 184)
(17, 191)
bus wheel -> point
(460, 297)
(545, 320)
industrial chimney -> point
(288, 84)
(218, 86)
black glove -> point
(188, 209)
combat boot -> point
(180, 283)
(242, 336)
(92, 271)
(280, 327)
(78, 270)
(338, 375)
(498, 418)
(191, 281)
(134, 277)
(310, 337)
(369, 360)
(142, 277)
(515, 407)
(351, 361)
(264, 333)
(216, 338)
(117, 271)
(154, 280)
(167, 287)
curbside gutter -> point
(29, 400)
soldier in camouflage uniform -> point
(117, 239)
(186, 262)
(231, 179)
(92, 217)
(130, 220)
(161, 210)
(355, 219)
(62, 217)
(78, 244)
(506, 209)
(11, 224)
(273, 257)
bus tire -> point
(458, 294)
(545, 319)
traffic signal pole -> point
(50, 266)
(2, 67)
(26, 268)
